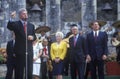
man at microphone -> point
(24, 36)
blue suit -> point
(77, 57)
(97, 47)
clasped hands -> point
(45, 56)
(57, 60)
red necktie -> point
(25, 25)
(45, 50)
(74, 40)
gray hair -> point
(59, 34)
(21, 10)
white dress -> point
(36, 64)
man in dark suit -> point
(77, 54)
(24, 36)
(97, 49)
(10, 59)
(45, 59)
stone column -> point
(83, 9)
(21, 4)
(5, 5)
(118, 9)
(95, 9)
(89, 12)
(53, 14)
(48, 12)
(13, 5)
(58, 11)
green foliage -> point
(2, 58)
(111, 57)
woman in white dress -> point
(37, 52)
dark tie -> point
(25, 25)
(74, 41)
(45, 50)
(95, 36)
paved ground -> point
(3, 73)
(3, 70)
(107, 77)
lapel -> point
(11, 43)
(28, 24)
(72, 41)
(99, 35)
(21, 28)
(77, 40)
(92, 38)
(92, 35)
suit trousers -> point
(10, 67)
(77, 69)
(44, 70)
(97, 65)
(87, 71)
(21, 66)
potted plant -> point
(112, 67)
(1, 59)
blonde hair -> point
(59, 34)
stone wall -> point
(3, 70)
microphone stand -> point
(26, 53)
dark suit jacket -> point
(97, 48)
(20, 36)
(78, 52)
(10, 52)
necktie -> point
(95, 36)
(74, 40)
(25, 26)
(45, 50)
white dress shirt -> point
(96, 32)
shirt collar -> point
(77, 36)
(23, 21)
(96, 32)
